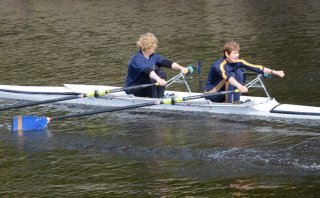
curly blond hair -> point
(146, 41)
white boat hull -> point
(257, 106)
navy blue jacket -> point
(222, 70)
(139, 65)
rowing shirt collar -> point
(225, 58)
(141, 53)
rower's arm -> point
(273, 72)
(176, 66)
(157, 78)
(234, 82)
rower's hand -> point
(278, 73)
(243, 89)
(162, 82)
(187, 70)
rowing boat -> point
(250, 105)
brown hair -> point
(231, 46)
(146, 41)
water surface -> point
(159, 154)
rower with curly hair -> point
(145, 67)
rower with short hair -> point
(226, 74)
(145, 67)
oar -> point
(96, 93)
(90, 94)
(27, 123)
(182, 99)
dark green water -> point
(153, 154)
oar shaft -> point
(105, 110)
(131, 88)
(90, 94)
(39, 123)
(29, 123)
(157, 102)
(165, 101)
(41, 102)
(205, 95)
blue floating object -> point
(29, 123)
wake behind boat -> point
(250, 105)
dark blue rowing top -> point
(140, 65)
(222, 70)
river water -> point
(156, 154)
